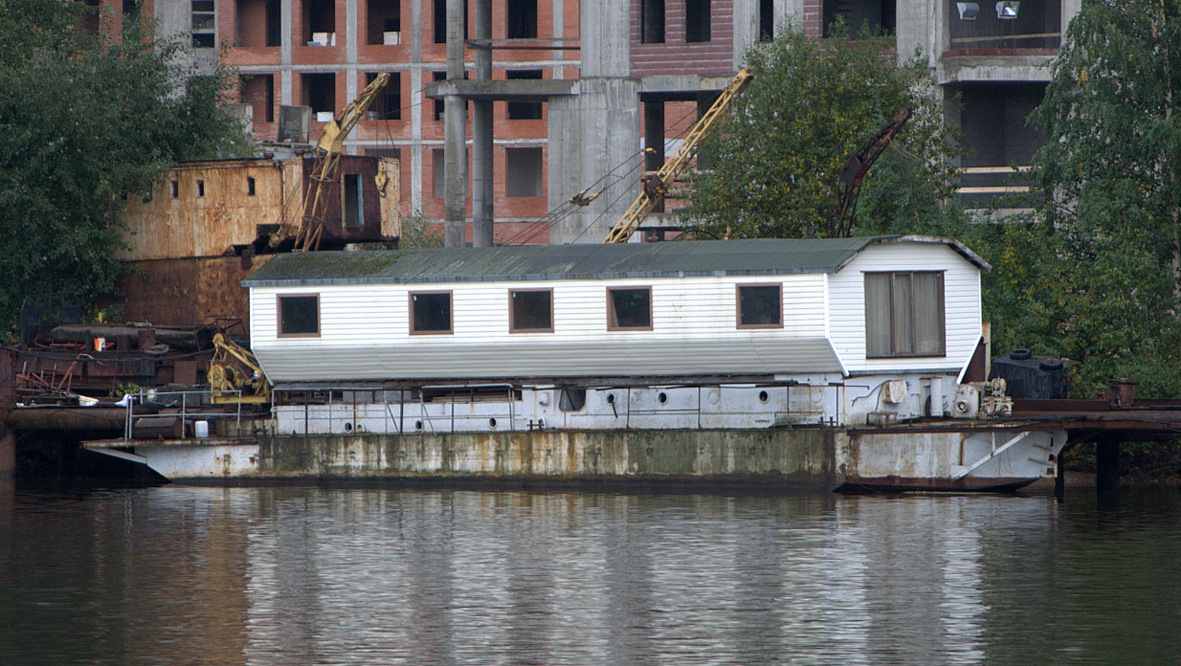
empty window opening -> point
(439, 104)
(258, 23)
(147, 196)
(438, 173)
(523, 110)
(652, 22)
(319, 19)
(904, 314)
(760, 306)
(860, 17)
(522, 19)
(299, 316)
(1029, 25)
(430, 312)
(352, 201)
(697, 20)
(996, 136)
(629, 309)
(250, 186)
(388, 105)
(175, 187)
(441, 21)
(204, 24)
(385, 22)
(531, 311)
(523, 172)
(319, 92)
(766, 20)
(258, 90)
(91, 17)
(131, 11)
(200, 188)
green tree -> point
(1094, 274)
(774, 163)
(87, 120)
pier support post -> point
(1107, 463)
(1060, 477)
(7, 453)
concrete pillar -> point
(1107, 463)
(482, 139)
(454, 135)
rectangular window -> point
(652, 22)
(430, 312)
(629, 309)
(299, 316)
(697, 20)
(319, 19)
(204, 24)
(522, 19)
(250, 186)
(352, 205)
(760, 306)
(200, 188)
(523, 110)
(904, 314)
(523, 172)
(385, 22)
(175, 189)
(388, 105)
(441, 21)
(319, 92)
(439, 104)
(531, 311)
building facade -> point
(578, 89)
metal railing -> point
(189, 406)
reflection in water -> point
(304, 575)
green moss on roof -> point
(593, 261)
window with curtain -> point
(904, 314)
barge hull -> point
(818, 458)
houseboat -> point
(850, 363)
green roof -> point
(771, 256)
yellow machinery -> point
(227, 379)
(656, 186)
(310, 225)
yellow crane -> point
(309, 227)
(656, 186)
(227, 379)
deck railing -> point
(179, 413)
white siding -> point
(961, 299)
(365, 332)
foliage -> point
(87, 119)
(418, 233)
(1092, 275)
(813, 104)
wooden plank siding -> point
(961, 301)
(364, 332)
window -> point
(629, 309)
(353, 208)
(319, 19)
(522, 19)
(258, 90)
(904, 314)
(385, 22)
(175, 186)
(862, 16)
(299, 316)
(319, 92)
(652, 22)
(259, 23)
(441, 21)
(204, 24)
(523, 110)
(250, 186)
(760, 306)
(531, 311)
(388, 105)
(439, 104)
(200, 188)
(766, 20)
(696, 20)
(523, 175)
(430, 312)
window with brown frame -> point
(904, 314)
(629, 309)
(299, 315)
(760, 305)
(531, 311)
(430, 313)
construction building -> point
(548, 98)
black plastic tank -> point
(1029, 376)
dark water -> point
(177, 575)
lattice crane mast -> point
(326, 170)
(656, 186)
(849, 183)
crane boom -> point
(849, 183)
(656, 186)
(315, 203)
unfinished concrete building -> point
(550, 97)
